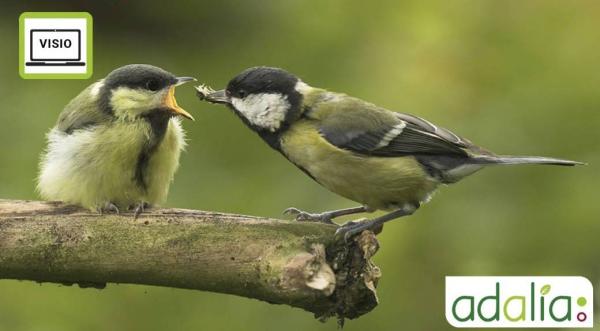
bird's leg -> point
(139, 208)
(108, 207)
(324, 217)
(352, 228)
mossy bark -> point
(284, 262)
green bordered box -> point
(55, 45)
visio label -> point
(55, 45)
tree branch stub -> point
(300, 264)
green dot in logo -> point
(545, 289)
(581, 301)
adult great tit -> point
(116, 144)
(382, 159)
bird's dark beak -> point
(183, 80)
(171, 103)
(219, 96)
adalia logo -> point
(505, 302)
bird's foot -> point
(302, 216)
(108, 208)
(139, 208)
(352, 228)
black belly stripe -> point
(159, 121)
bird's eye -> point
(152, 85)
(242, 93)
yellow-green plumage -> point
(377, 182)
(382, 159)
(99, 168)
(95, 158)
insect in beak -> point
(210, 95)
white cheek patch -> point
(265, 110)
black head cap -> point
(262, 80)
(143, 76)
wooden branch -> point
(284, 262)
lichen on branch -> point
(300, 264)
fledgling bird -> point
(117, 144)
(382, 159)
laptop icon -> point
(55, 47)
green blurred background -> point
(518, 77)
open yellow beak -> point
(170, 102)
(172, 105)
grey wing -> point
(426, 126)
(444, 155)
(81, 113)
(396, 135)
